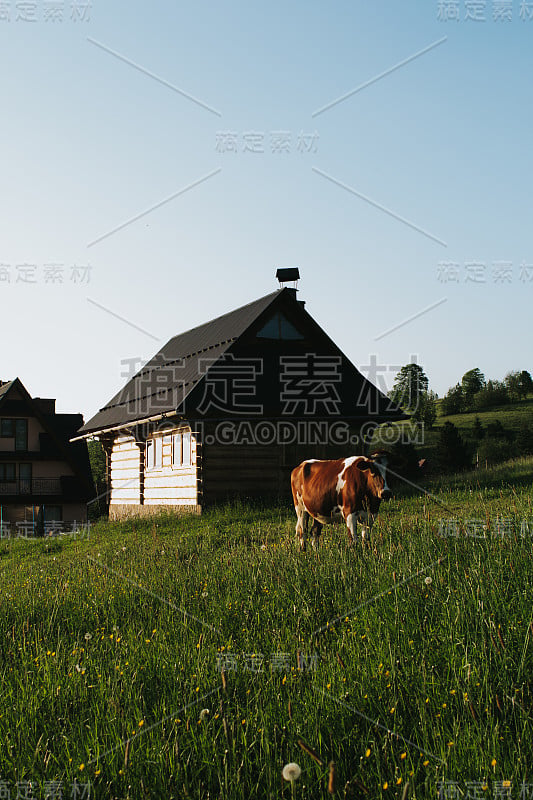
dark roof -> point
(141, 396)
(5, 387)
(178, 369)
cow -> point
(348, 488)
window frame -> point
(184, 437)
(3, 478)
(55, 519)
(153, 457)
(7, 435)
(23, 421)
(177, 462)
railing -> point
(31, 486)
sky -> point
(159, 162)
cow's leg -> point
(365, 533)
(367, 529)
(351, 524)
(315, 533)
(301, 524)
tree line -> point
(474, 393)
(411, 392)
(479, 444)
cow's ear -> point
(364, 464)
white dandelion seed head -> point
(205, 594)
(428, 580)
(204, 713)
(88, 636)
(291, 772)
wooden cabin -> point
(229, 408)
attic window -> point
(279, 327)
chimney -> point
(289, 275)
(286, 274)
(46, 405)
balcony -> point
(29, 487)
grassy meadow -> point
(407, 664)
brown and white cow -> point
(349, 488)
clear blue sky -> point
(89, 141)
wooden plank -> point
(182, 502)
(187, 492)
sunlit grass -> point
(111, 651)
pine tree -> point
(453, 452)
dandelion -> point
(205, 594)
(425, 763)
(82, 767)
(88, 636)
(428, 580)
(141, 723)
(367, 752)
(291, 772)
(403, 755)
(493, 762)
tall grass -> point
(408, 664)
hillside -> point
(512, 416)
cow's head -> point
(376, 464)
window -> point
(21, 434)
(7, 472)
(25, 475)
(158, 452)
(53, 514)
(181, 449)
(154, 453)
(177, 456)
(186, 450)
(279, 327)
(7, 427)
(149, 455)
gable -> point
(267, 356)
